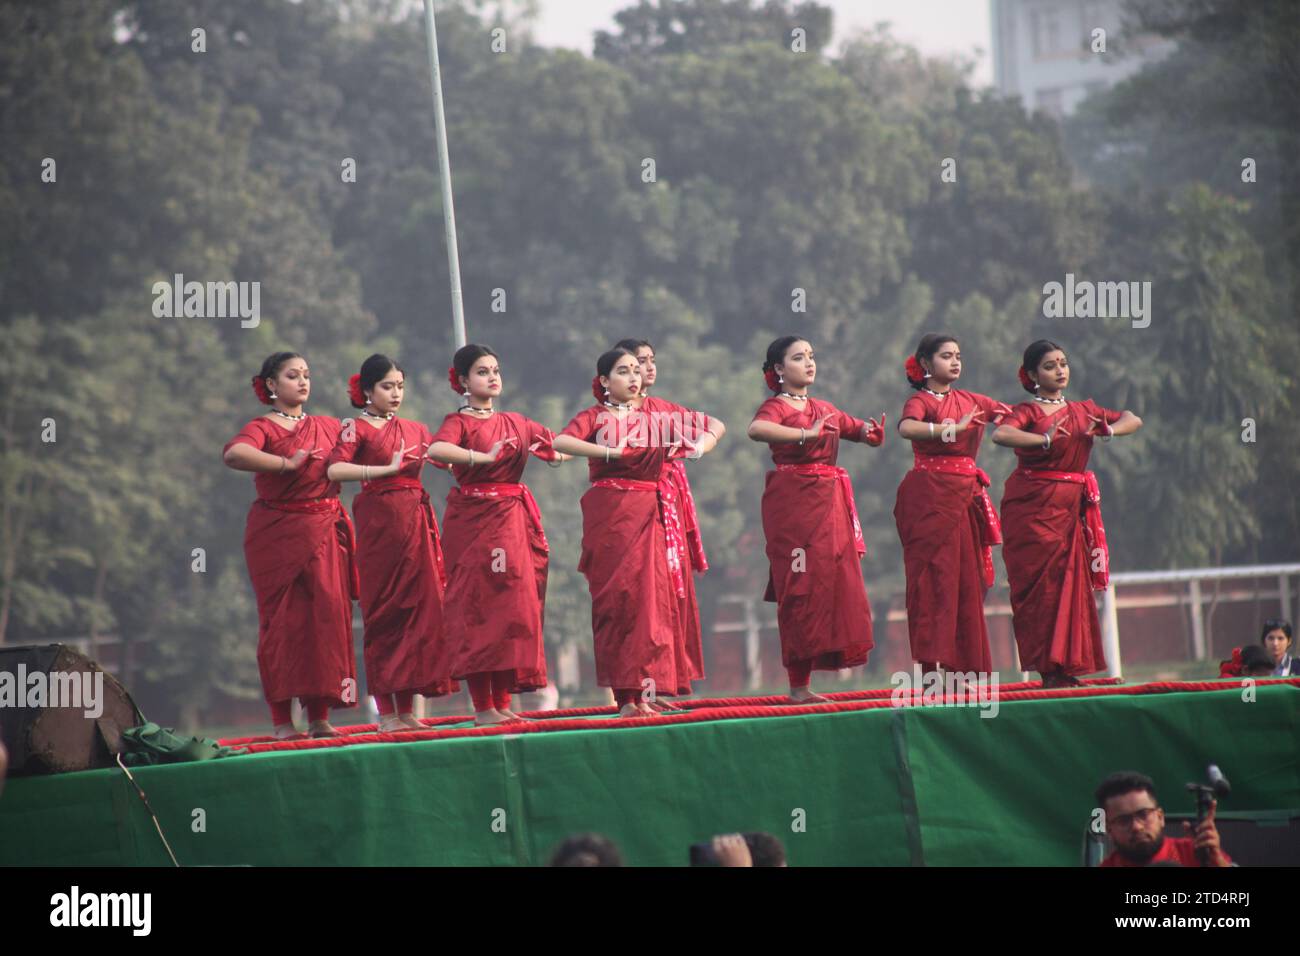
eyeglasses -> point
(1126, 820)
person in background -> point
(1277, 640)
(1136, 826)
(587, 849)
(1256, 662)
(765, 849)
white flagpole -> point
(444, 173)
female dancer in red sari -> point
(633, 539)
(299, 546)
(814, 540)
(945, 519)
(1054, 544)
(492, 540)
(398, 551)
(690, 649)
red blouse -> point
(319, 432)
(1068, 453)
(480, 434)
(823, 449)
(364, 444)
(956, 405)
(649, 437)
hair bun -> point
(1026, 382)
(259, 387)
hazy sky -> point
(934, 26)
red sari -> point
(400, 560)
(496, 553)
(822, 608)
(300, 549)
(632, 547)
(692, 424)
(1054, 546)
(947, 526)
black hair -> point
(372, 370)
(1279, 625)
(605, 364)
(633, 344)
(465, 357)
(1254, 657)
(587, 849)
(929, 344)
(1126, 781)
(765, 849)
(1034, 354)
(274, 362)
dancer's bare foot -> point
(629, 710)
(286, 732)
(509, 714)
(804, 695)
(412, 721)
(663, 705)
(644, 710)
(393, 724)
(489, 718)
(323, 728)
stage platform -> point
(860, 781)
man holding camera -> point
(1136, 825)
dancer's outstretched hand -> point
(823, 424)
(294, 462)
(875, 431)
(495, 451)
(1100, 427)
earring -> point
(779, 379)
(273, 396)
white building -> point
(1043, 50)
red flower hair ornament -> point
(454, 380)
(1026, 382)
(598, 390)
(915, 373)
(769, 376)
(354, 391)
(1231, 668)
(259, 386)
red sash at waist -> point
(389, 483)
(382, 486)
(507, 489)
(989, 525)
(669, 518)
(301, 505)
(846, 491)
(1094, 532)
(343, 530)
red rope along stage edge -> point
(732, 708)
